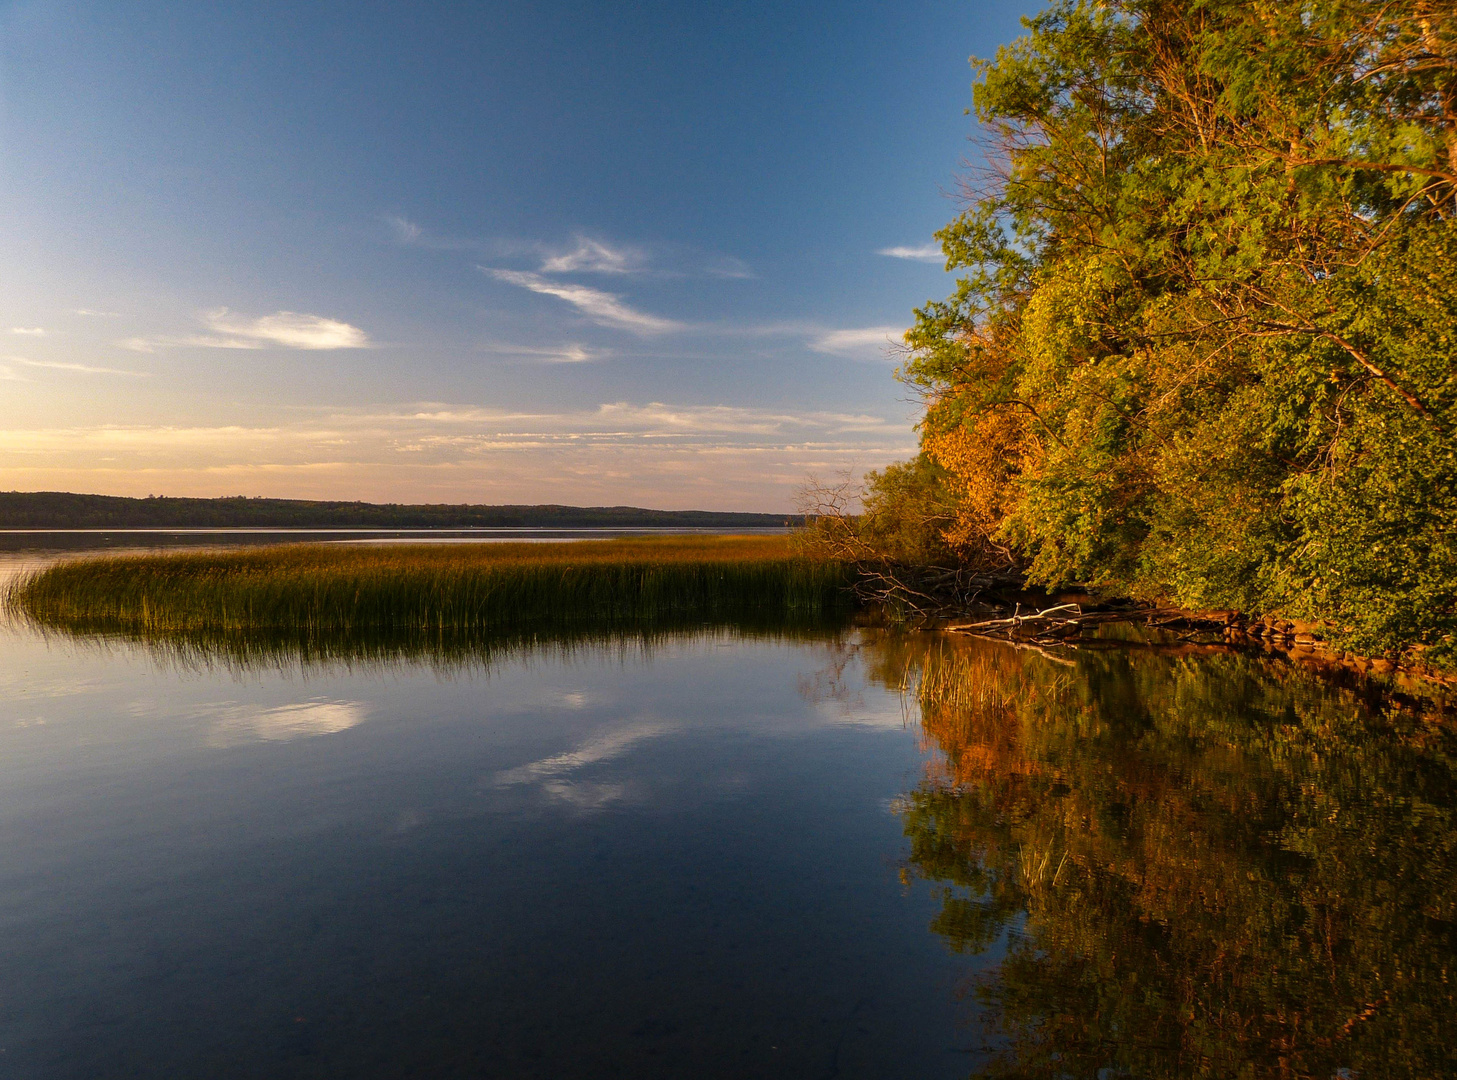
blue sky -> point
(591, 253)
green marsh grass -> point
(311, 597)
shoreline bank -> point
(1073, 620)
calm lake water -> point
(835, 853)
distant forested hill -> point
(63, 510)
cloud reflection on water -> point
(242, 724)
(552, 776)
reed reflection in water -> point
(643, 854)
(443, 650)
(1201, 865)
(1152, 863)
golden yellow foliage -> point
(983, 457)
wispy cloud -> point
(29, 331)
(930, 253)
(281, 330)
(726, 266)
(85, 369)
(405, 230)
(848, 342)
(595, 257)
(602, 307)
(148, 344)
(291, 330)
(583, 254)
(196, 341)
(97, 314)
(412, 234)
(647, 454)
(623, 420)
(659, 419)
(560, 354)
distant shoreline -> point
(42, 510)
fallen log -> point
(1017, 619)
(1056, 624)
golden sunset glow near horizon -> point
(469, 255)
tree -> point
(1202, 345)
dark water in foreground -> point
(817, 854)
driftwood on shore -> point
(1063, 626)
(998, 602)
(1060, 622)
(1064, 621)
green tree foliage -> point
(1202, 344)
(907, 509)
(900, 533)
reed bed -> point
(311, 592)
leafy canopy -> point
(1201, 346)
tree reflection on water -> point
(1193, 864)
(1202, 865)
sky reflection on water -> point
(717, 853)
(648, 860)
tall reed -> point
(307, 591)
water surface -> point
(807, 853)
(646, 857)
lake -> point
(834, 852)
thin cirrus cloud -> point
(603, 308)
(648, 453)
(584, 255)
(412, 234)
(281, 330)
(656, 419)
(83, 369)
(561, 354)
(366, 436)
(726, 266)
(849, 342)
(405, 230)
(29, 331)
(930, 253)
(652, 421)
(592, 256)
(595, 257)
